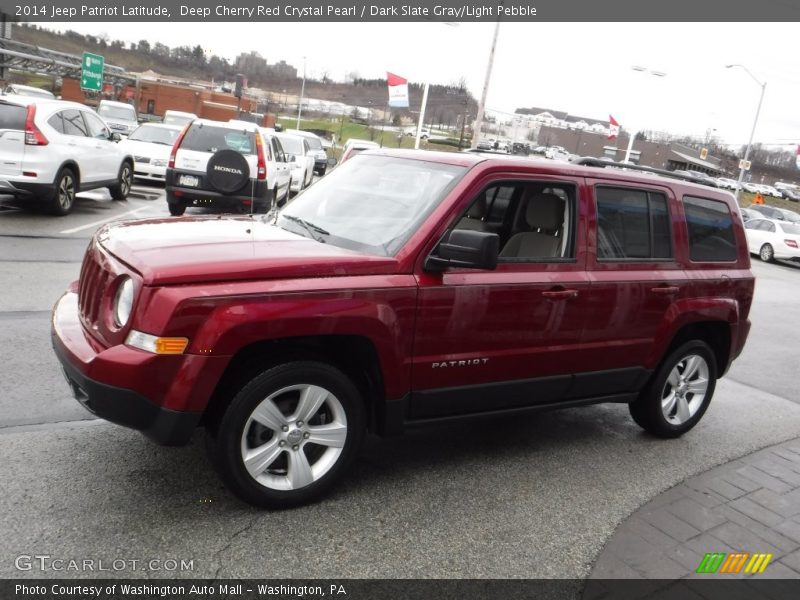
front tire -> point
(63, 199)
(123, 188)
(679, 392)
(288, 435)
(766, 253)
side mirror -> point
(290, 158)
(465, 248)
(332, 162)
(115, 137)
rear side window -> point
(710, 230)
(74, 124)
(632, 224)
(12, 116)
(207, 138)
(56, 122)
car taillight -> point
(33, 136)
(177, 145)
(790, 243)
(261, 167)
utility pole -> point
(302, 92)
(476, 130)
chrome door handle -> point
(665, 290)
(560, 294)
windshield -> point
(155, 135)
(123, 113)
(370, 204)
(291, 145)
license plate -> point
(188, 180)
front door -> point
(502, 339)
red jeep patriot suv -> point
(408, 288)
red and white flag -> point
(398, 90)
(613, 128)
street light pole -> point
(302, 92)
(752, 132)
(634, 132)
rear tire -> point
(63, 199)
(176, 206)
(679, 392)
(123, 188)
(766, 253)
(288, 435)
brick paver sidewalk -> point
(751, 505)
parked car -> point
(214, 163)
(300, 159)
(771, 191)
(424, 133)
(50, 150)
(770, 212)
(151, 144)
(119, 116)
(406, 290)
(697, 177)
(753, 188)
(279, 167)
(354, 146)
(727, 183)
(773, 240)
(790, 215)
(27, 90)
(748, 214)
(792, 194)
(317, 151)
(177, 117)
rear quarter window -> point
(710, 228)
(12, 116)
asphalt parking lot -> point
(520, 498)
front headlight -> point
(123, 302)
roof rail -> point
(596, 162)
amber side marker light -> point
(156, 344)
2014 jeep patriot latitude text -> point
(408, 288)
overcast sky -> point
(582, 68)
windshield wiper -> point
(309, 227)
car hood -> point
(147, 149)
(227, 248)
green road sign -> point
(92, 72)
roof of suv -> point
(28, 100)
(233, 125)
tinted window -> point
(753, 224)
(292, 145)
(73, 123)
(710, 230)
(12, 116)
(207, 138)
(97, 129)
(632, 224)
(56, 122)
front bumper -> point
(83, 364)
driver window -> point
(534, 220)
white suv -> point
(232, 165)
(52, 149)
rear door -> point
(283, 168)
(635, 278)
(12, 138)
(80, 147)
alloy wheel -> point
(685, 389)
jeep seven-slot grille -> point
(93, 282)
